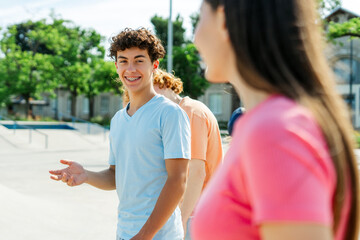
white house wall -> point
(224, 91)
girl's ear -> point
(221, 22)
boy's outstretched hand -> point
(73, 175)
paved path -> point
(34, 207)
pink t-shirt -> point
(277, 169)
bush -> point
(102, 120)
(223, 125)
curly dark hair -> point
(140, 38)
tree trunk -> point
(91, 106)
(27, 105)
(73, 103)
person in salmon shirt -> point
(290, 171)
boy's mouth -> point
(132, 79)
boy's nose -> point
(131, 68)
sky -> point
(108, 17)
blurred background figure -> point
(234, 117)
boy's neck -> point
(139, 99)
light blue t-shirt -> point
(139, 145)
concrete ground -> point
(34, 207)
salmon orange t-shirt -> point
(205, 135)
(277, 169)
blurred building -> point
(344, 58)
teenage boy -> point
(149, 147)
(206, 147)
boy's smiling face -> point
(135, 69)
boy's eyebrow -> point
(137, 56)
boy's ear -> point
(156, 64)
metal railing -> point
(89, 124)
(15, 127)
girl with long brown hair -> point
(290, 172)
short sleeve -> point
(287, 178)
(111, 160)
(111, 154)
(175, 132)
(199, 137)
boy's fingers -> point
(55, 177)
(71, 181)
(64, 177)
(55, 172)
(67, 162)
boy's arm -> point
(75, 175)
(104, 180)
(168, 200)
(193, 190)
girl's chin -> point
(215, 78)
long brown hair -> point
(278, 49)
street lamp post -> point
(351, 73)
(170, 41)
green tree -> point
(186, 66)
(195, 17)
(349, 28)
(27, 72)
(326, 6)
(161, 30)
(76, 57)
(41, 56)
(4, 91)
(186, 59)
(103, 79)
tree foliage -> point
(41, 56)
(26, 68)
(326, 6)
(161, 30)
(78, 53)
(195, 17)
(103, 79)
(4, 91)
(186, 66)
(349, 28)
(186, 59)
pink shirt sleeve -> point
(289, 174)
